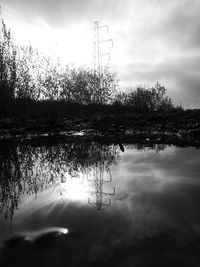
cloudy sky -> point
(154, 40)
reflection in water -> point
(98, 181)
(153, 220)
(29, 169)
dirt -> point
(182, 127)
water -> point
(121, 205)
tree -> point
(7, 67)
(33, 70)
(144, 99)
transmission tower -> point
(97, 47)
(98, 182)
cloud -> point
(181, 26)
(180, 75)
(163, 45)
(166, 164)
(64, 13)
(154, 40)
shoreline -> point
(179, 127)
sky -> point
(153, 40)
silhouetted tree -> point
(7, 67)
(33, 72)
(27, 74)
(144, 99)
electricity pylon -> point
(97, 57)
(97, 47)
(99, 193)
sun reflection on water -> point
(73, 189)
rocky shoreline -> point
(179, 127)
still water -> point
(120, 205)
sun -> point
(72, 44)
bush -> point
(145, 99)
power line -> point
(77, 8)
(50, 14)
(9, 11)
(32, 5)
(59, 12)
(54, 8)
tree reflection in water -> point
(29, 169)
(32, 168)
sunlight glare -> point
(73, 45)
(74, 190)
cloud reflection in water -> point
(155, 208)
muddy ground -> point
(174, 128)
